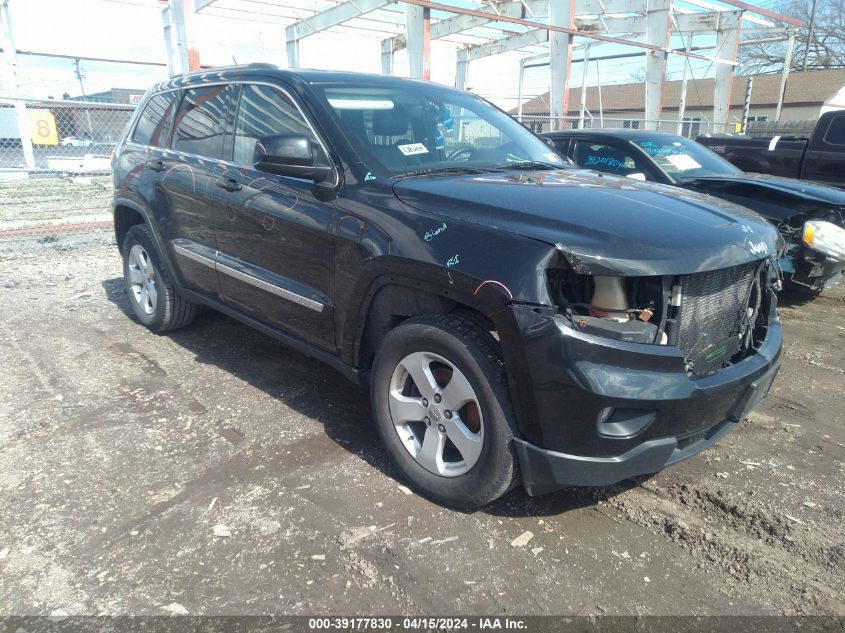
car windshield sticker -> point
(683, 162)
(412, 148)
(369, 176)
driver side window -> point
(264, 111)
(607, 159)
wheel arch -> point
(392, 299)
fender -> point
(488, 301)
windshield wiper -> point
(439, 171)
(528, 164)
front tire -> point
(442, 410)
(149, 284)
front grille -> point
(714, 307)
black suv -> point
(515, 319)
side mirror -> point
(288, 155)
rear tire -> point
(442, 410)
(153, 297)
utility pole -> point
(809, 34)
(78, 72)
(682, 104)
(584, 87)
(11, 67)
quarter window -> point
(155, 120)
(264, 111)
(199, 123)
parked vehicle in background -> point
(821, 157)
(76, 141)
(809, 216)
(513, 319)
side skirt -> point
(357, 376)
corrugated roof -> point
(803, 88)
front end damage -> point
(814, 256)
(632, 373)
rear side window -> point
(155, 119)
(264, 111)
(836, 131)
(199, 122)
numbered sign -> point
(43, 125)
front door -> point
(276, 259)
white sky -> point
(123, 29)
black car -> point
(809, 216)
(819, 157)
(515, 320)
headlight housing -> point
(826, 238)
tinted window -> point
(199, 123)
(264, 111)
(836, 132)
(154, 121)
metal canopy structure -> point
(481, 28)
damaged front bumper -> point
(603, 411)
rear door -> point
(824, 160)
(276, 259)
(189, 173)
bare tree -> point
(826, 41)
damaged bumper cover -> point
(609, 410)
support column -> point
(727, 46)
(417, 27)
(387, 56)
(176, 29)
(561, 13)
(292, 46)
(658, 30)
(462, 69)
(11, 63)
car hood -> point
(804, 189)
(603, 224)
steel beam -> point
(727, 46)
(334, 16)
(658, 30)
(387, 57)
(417, 25)
(177, 32)
(561, 16)
(462, 69)
(521, 9)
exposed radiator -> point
(714, 304)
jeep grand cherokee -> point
(515, 320)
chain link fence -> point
(55, 175)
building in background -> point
(806, 94)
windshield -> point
(682, 158)
(419, 129)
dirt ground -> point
(214, 471)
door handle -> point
(155, 165)
(229, 184)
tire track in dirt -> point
(756, 547)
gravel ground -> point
(214, 471)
